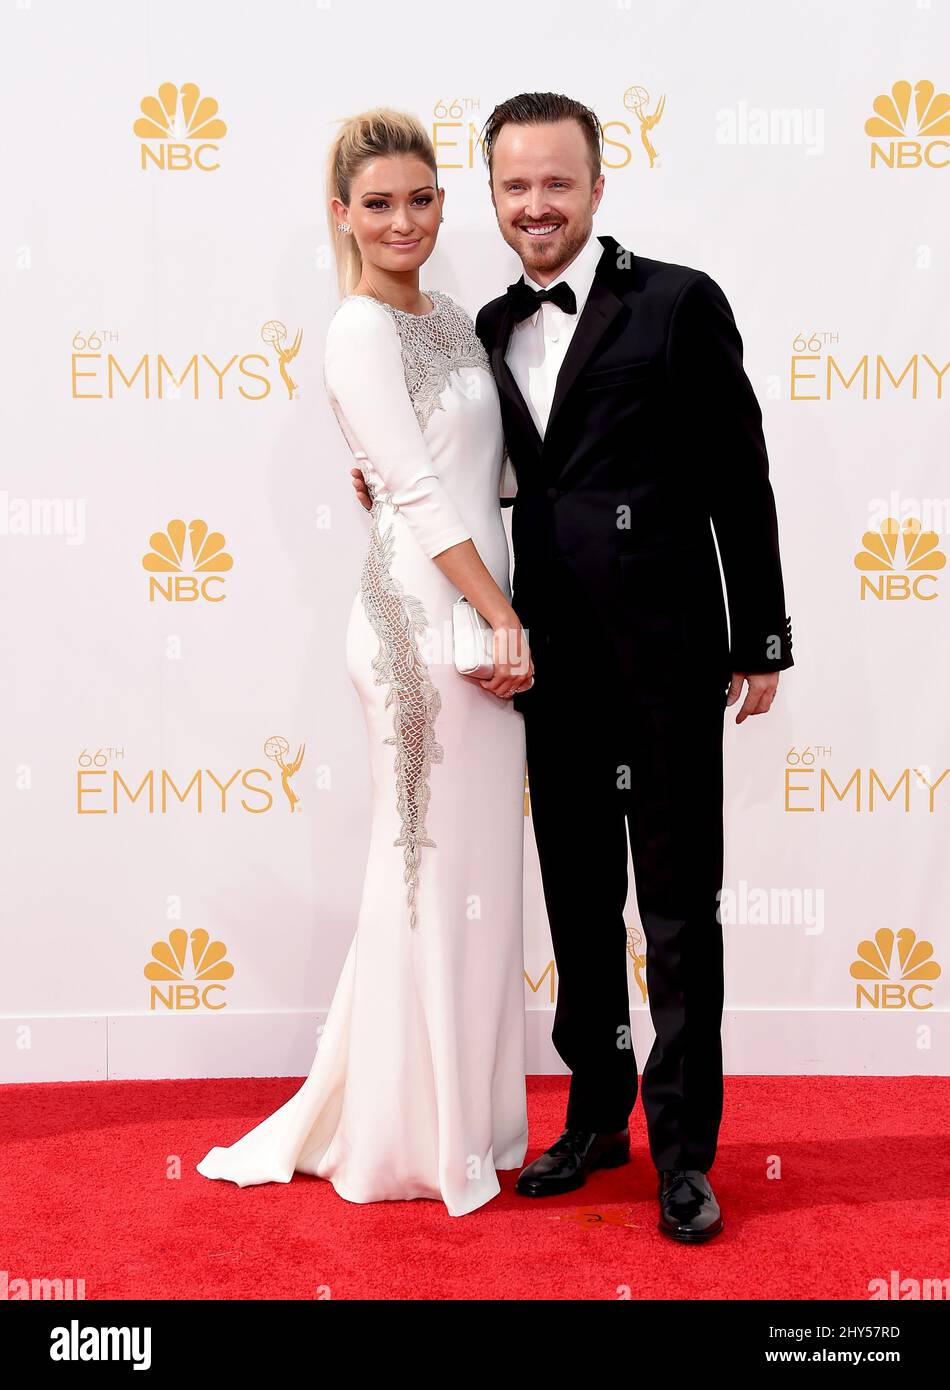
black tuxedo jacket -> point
(654, 431)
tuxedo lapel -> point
(509, 387)
(601, 308)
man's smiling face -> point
(544, 193)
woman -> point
(418, 1088)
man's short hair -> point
(543, 108)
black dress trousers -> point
(601, 763)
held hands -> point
(761, 693)
(514, 669)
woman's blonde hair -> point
(371, 134)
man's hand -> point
(760, 695)
(359, 483)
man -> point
(633, 431)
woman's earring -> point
(442, 218)
(343, 226)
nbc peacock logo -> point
(906, 139)
(188, 972)
(179, 129)
(900, 561)
(186, 562)
(896, 967)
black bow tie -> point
(525, 301)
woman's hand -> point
(514, 669)
(362, 491)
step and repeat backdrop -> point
(185, 789)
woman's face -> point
(394, 212)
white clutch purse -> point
(473, 640)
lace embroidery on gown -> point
(433, 345)
(396, 618)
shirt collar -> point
(579, 274)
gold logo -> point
(152, 377)
(277, 747)
(898, 575)
(104, 786)
(638, 955)
(458, 144)
(636, 100)
(207, 562)
(208, 968)
(275, 335)
(876, 963)
(185, 124)
(910, 139)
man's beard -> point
(572, 243)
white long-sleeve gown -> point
(418, 1088)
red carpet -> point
(89, 1191)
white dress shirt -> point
(538, 344)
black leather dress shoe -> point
(570, 1158)
(688, 1207)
